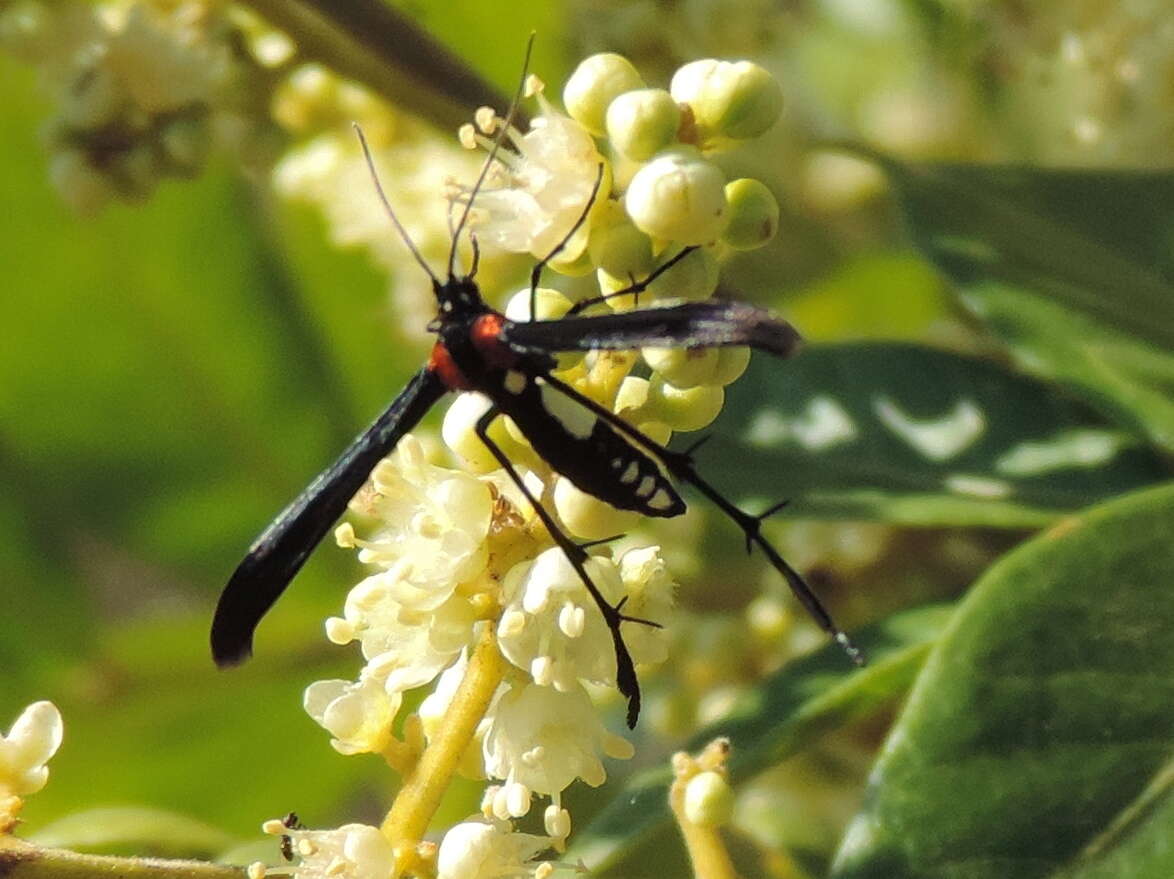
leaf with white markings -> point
(919, 436)
(1072, 269)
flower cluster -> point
(460, 558)
(144, 91)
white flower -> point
(435, 522)
(481, 850)
(404, 647)
(551, 626)
(650, 590)
(534, 196)
(24, 753)
(543, 739)
(353, 851)
(358, 714)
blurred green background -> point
(172, 372)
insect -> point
(290, 822)
(512, 362)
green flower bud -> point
(641, 123)
(683, 408)
(754, 214)
(683, 367)
(550, 304)
(733, 100)
(619, 248)
(709, 800)
(731, 363)
(458, 430)
(596, 82)
(678, 196)
(693, 279)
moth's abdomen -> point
(585, 449)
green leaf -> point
(1037, 740)
(1072, 269)
(917, 436)
(783, 714)
(1129, 381)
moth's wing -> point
(690, 325)
(281, 550)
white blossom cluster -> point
(454, 551)
(144, 90)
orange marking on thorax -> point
(440, 362)
(486, 337)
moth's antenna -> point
(509, 118)
(387, 206)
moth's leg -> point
(626, 679)
(680, 465)
(635, 287)
(536, 272)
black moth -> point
(511, 363)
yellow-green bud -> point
(731, 363)
(693, 279)
(709, 800)
(678, 196)
(632, 397)
(683, 367)
(596, 82)
(459, 434)
(587, 517)
(550, 304)
(641, 123)
(733, 100)
(620, 249)
(754, 214)
(683, 408)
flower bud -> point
(683, 367)
(709, 800)
(641, 123)
(459, 432)
(596, 82)
(588, 517)
(549, 304)
(731, 363)
(619, 248)
(678, 196)
(730, 100)
(683, 408)
(754, 214)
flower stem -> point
(422, 790)
(21, 860)
(371, 42)
(707, 851)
